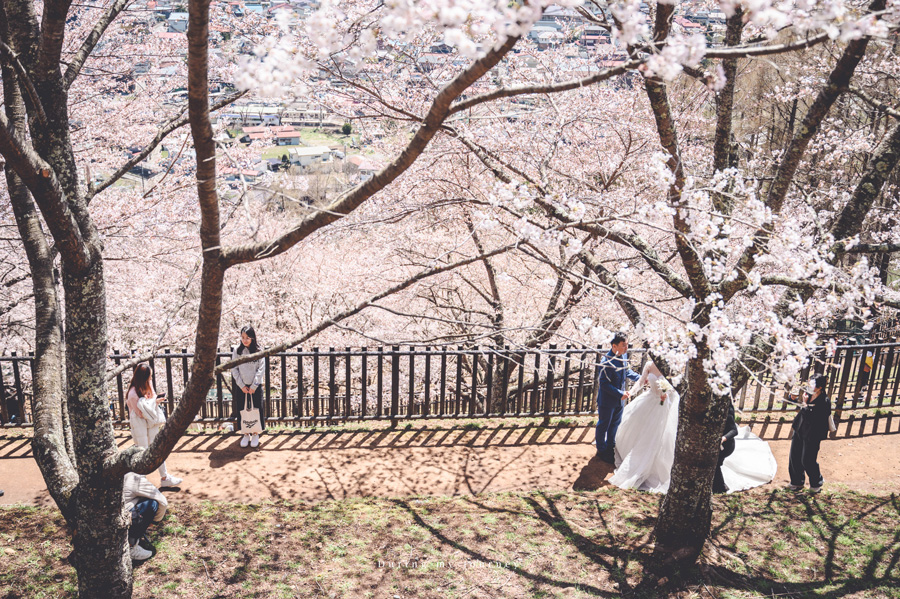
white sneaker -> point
(254, 441)
(170, 481)
(245, 440)
(140, 554)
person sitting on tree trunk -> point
(147, 505)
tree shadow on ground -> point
(775, 543)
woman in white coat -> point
(145, 415)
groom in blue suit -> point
(614, 374)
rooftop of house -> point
(310, 151)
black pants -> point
(142, 515)
(804, 462)
(237, 404)
(718, 479)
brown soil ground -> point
(438, 459)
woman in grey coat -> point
(246, 382)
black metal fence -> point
(421, 382)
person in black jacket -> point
(726, 449)
(810, 428)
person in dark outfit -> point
(810, 428)
(614, 374)
(726, 449)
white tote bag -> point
(250, 419)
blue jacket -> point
(614, 374)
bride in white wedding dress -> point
(645, 443)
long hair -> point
(140, 380)
(253, 347)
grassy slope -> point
(503, 545)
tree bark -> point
(685, 515)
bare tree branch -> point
(875, 103)
(510, 92)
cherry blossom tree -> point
(731, 274)
(752, 268)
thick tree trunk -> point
(100, 529)
(100, 543)
(685, 514)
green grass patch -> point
(574, 544)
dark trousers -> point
(804, 461)
(718, 479)
(608, 420)
(142, 516)
(237, 404)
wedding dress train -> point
(645, 445)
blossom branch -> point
(783, 281)
(91, 40)
(838, 82)
(325, 324)
(437, 114)
(176, 122)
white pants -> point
(143, 434)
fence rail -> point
(394, 383)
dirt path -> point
(450, 460)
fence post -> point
(426, 407)
(564, 400)
(20, 394)
(170, 387)
(268, 392)
(347, 412)
(844, 379)
(886, 376)
(220, 396)
(504, 387)
(395, 384)
(316, 383)
(411, 402)
(379, 407)
(284, 393)
(31, 369)
(117, 360)
(364, 381)
(579, 394)
(458, 399)
(301, 394)
(331, 384)
(473, 396)
(443, 401)
(4, 415)
(548, 393)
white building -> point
(309, 155)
